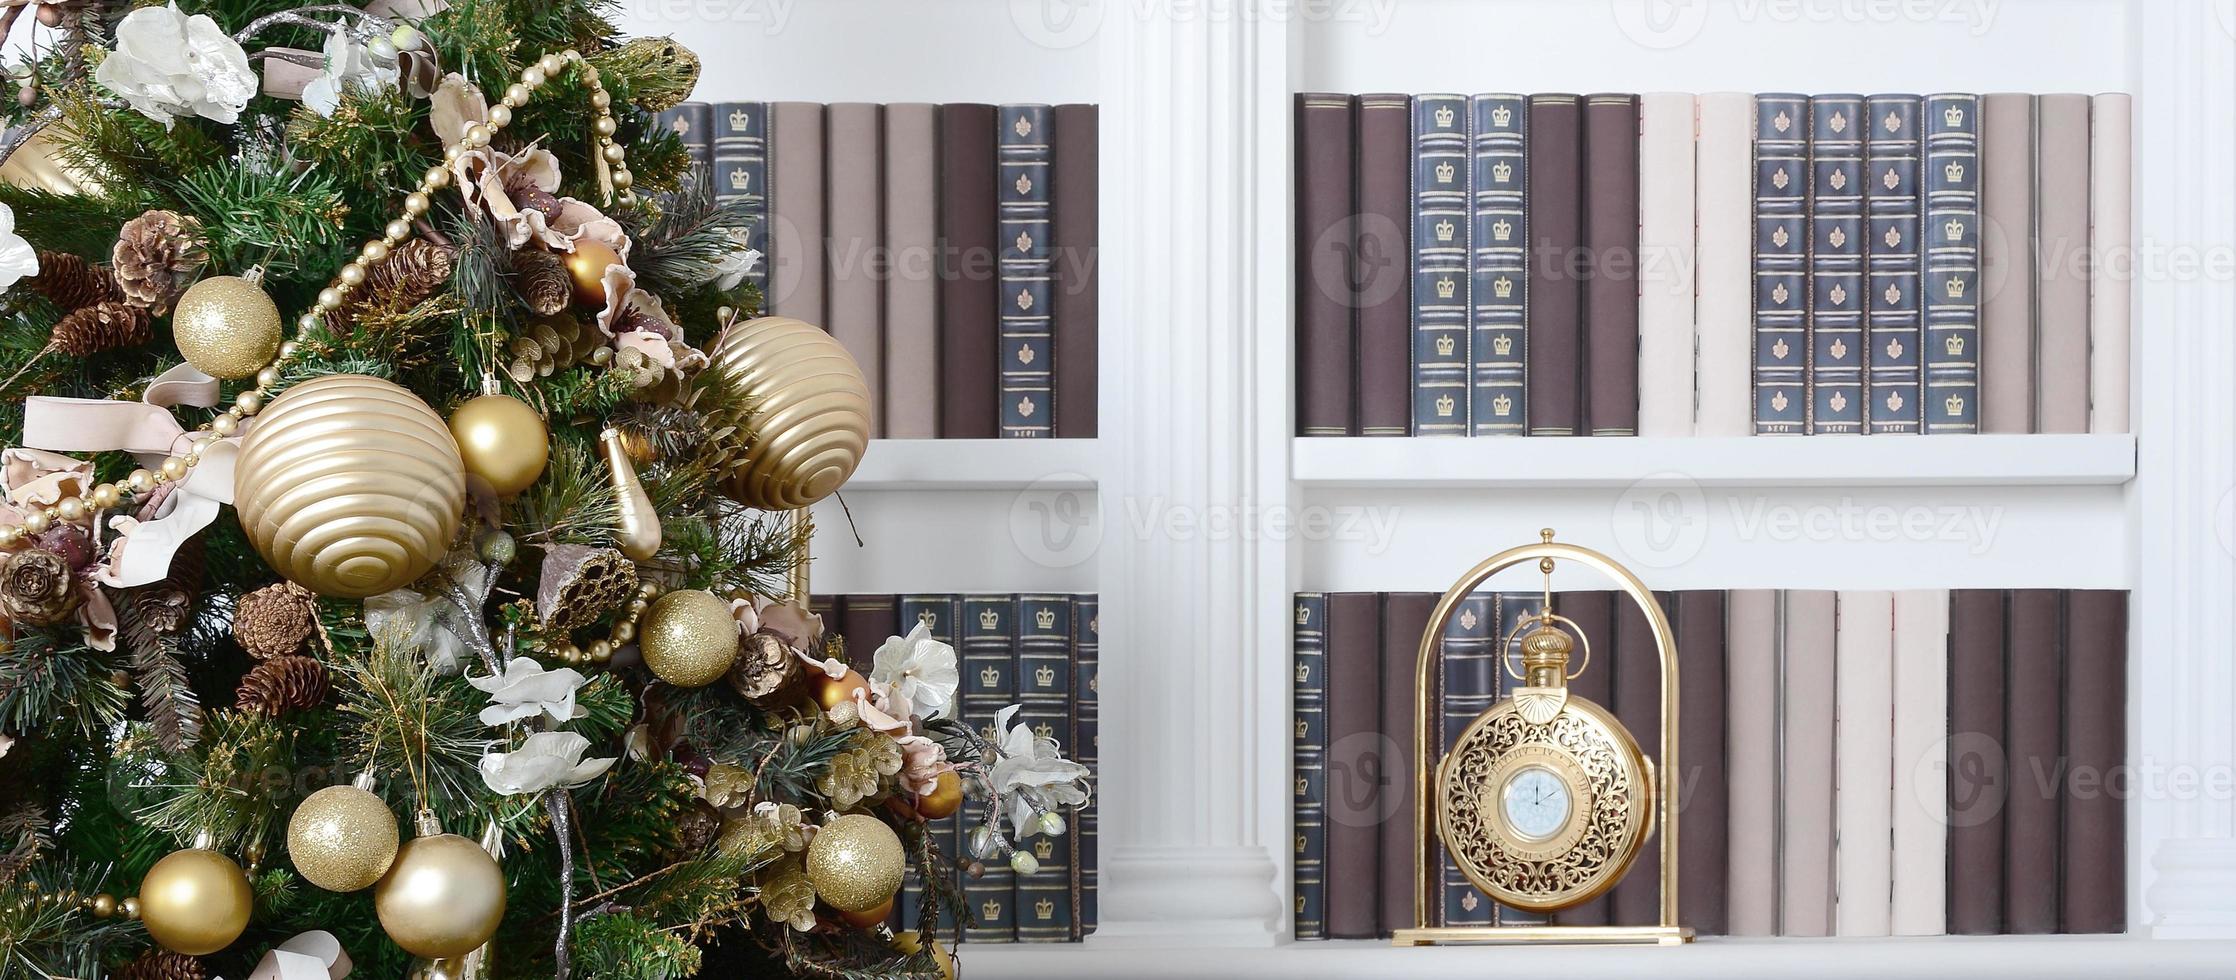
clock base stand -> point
(1544, 936)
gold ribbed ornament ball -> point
(810, 420)
(195, 902)
(503, 441)
(350, 486)
(342, 838)
(39, 164)
(227, 327)
(443, 897)
(856, 863)
(688, 638)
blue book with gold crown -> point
(1044, 636)
(1024, 271)
(1308, 765)
(1085, 748)
(739, 165)
(1498, 265)
(1836, 278)
(1894, 305)
(1470, 685)
(989, 660)
(1440, 256)
(1781, 263)
(1952, 263)
(942, 615)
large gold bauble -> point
(503, 441)
(342, 838)
(586, 268)
(443, 897)
(909, 942)
(689, 638)
(350, 486)
(227, 327)
(38, 165)
(856, 863)
(810, 420)
(195, 902)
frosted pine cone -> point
(158, 255)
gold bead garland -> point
(614, 178)
(624, 633)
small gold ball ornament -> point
(503, 441)
(443, 897)
(342, 838)
(856, 863)
(910, 942)
(945, 798)
(829, 691)
(810, 422)
(350, 486)
(227, 327)
(689, 638)
(586, 266)
(869, 917)
(195, 902)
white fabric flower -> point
(738, 264)
(350, 66)
(1033, 769)
(546, 760)
(168, 65)
(526, 690)
(918, 668)
(416, 622)
(17, 258)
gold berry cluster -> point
(624, 633)
(81, 508)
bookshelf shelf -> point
(1939, 461)
(977, 464)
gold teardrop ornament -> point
(810, 420)
(350, 486)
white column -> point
(1195, 415)
(2183, 698)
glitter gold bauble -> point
(829, 691)
(945, 798)
(688, 638)
(443, 897)
(342, 838)
(350, 486)
(227, 327)
(856, 863)
(586, 267)
(503, 441)
(195, 902)
(810, 413)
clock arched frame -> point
(1427, 877)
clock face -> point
(1536, 803)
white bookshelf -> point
(1193, 512)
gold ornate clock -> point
(1545, 800)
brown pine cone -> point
(158, 255)
(412, 272)
(275, 620)
(766, 674)
(37, 587)
(281, 685)
(162, 964)
(696, 828)
(579, 583)
(71, 282)
(104, 326)
(543, 281)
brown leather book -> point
(1636, 676)
(1977, 783)
(1702, 851)
(1077, 229)
(1611, 246)
(854, 271)
(867, 622)
(912, 284)
(1382, 289)
(1356, 766)
(2093, 884)
(2062, 263)
(1556, 285)
(967, 300)
(796, 228)
(2007, 300)
(1594, 612)
(1323, 241)
(1404, 616)
(2033, 698)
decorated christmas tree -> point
(403, 532)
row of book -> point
(1854, 763)
(1035, 650)
(950, 248)
(1719, 264)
